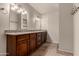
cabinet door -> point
(11, 45)
(22, 48)
(43, 37)
(32, 46)
(38, 39)
(32, 42)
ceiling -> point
(45, 7)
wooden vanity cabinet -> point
(24, 44)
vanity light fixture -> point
(37, 19)
(14, 7)
(19, 10)
(24, 12)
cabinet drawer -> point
(22, 37)
(32, 36)
(21, 42)
(39, 38)
(39, 34)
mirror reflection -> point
(20, 20)
(18, 17)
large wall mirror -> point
(22, 19)
(37, 22)
(18, 17)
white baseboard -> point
(65, 52)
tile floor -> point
(47, 49)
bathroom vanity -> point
(24, 36)
(24, 43)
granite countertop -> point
(19, 33)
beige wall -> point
(50, 22)
(66, 28)
(4, 25)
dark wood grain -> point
(11, 45)
(24, 45)
(32, 42)
(22, 48)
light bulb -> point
(16, 7)
(12, 8)
(20, 10)
(37, 19)
(24, 12)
